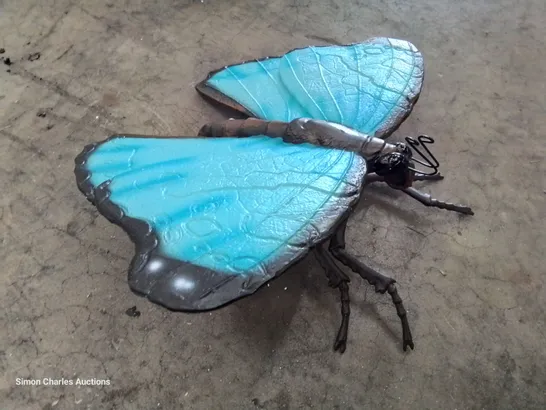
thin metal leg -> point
(423, 177)
(373, 177)
(380, 282)
(337, 279)
(427, 200)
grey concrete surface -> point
(474, 286)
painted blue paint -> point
(362, 86)
(231, 205)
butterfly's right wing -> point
(371, 86)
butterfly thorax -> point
(392, 161)
(329, 134)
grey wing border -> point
(154, 276)
(390, 126)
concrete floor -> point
(474, 286)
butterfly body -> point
(305, 131)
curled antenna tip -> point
(427, 159)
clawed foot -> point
(408, 341)
(401, 312)
(337, 279)
(461, 209)
(341, 340)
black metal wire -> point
(429, 160)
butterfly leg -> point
(381, 283)
(427, 200)
(373, 177)
(423, 177)
(337, 279)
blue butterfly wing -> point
(213, 219)
(371, 86)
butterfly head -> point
(397, 165)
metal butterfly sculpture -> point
(215, 217)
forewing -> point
(213, 219)
(371, 86)
(256, 89)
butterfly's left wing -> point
(213, 219)
(370, 86)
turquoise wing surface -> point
(371, 86)
(213, 219)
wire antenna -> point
(427, 159)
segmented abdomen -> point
(244, 128)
